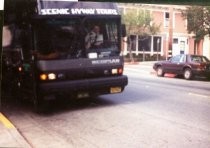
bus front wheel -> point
(40, 105)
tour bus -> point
(54, 53)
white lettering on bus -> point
(79, 11)
(106, 11)
(54, 11)
(108, 61)
(83, 11)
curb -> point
(9, 135)
(6, 122)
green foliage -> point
(139, 22)
(198, 18)
(154, 29)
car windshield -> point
(199, 59)
(68, 37)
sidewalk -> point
(9, 135)
(141, 63)
(149, 64)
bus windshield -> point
(77, 38)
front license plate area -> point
(115, 90)
(82, 95)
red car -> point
(184, 64)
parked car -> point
(186, 65)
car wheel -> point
(188, 74)
(160, 72)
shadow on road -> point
(59, 105)
(196, 78)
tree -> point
(139, 22)
(198, 18)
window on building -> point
(166, 19)
(175, 41)
(182, 47)
(144, 43)
(167, 15)
(132, 42)
(157, 43)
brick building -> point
(173, 29)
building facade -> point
(206, 46)
(172, 38)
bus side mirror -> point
(123, 30)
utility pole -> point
(170, 31)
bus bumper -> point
(97, 86)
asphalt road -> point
(151, 112)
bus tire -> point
(40, 105)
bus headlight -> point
(114, 71)
(43, 77)
(51, 76)
(118, 71)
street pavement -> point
(11, 137)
